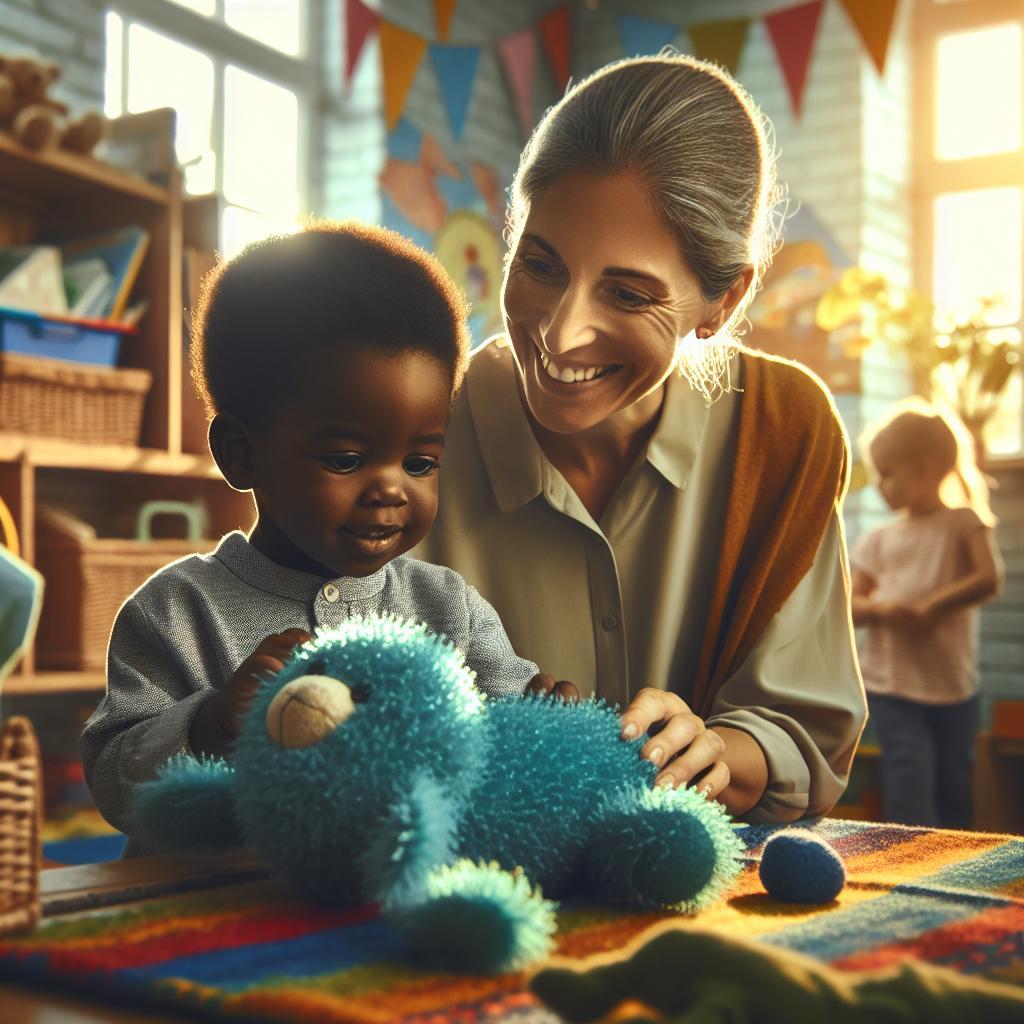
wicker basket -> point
(51, 397)
(87, 580)
(20, 821)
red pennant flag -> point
(873, 21)
(554, 30)
(792, 32)
(360, 21)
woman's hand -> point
(680, 745)
(544, 684)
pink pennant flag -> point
(360, 21)
(517, 54)
(792, 31)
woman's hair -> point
(704, 150)
(264, 316)
(914, 431)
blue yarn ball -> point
(799, 867)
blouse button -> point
(331, 593)
(609, 622)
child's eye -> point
(421, 465)
(342, 462)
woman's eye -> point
(539, 266)
(628, 297)
(342, 462)
(421, 465)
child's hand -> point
(219, 720)
(545, 684)
(895, 613)
(232, 701)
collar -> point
(513, 458)
(251, 566)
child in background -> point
(329, 361)
(917, 585)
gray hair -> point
(704, 149)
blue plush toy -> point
(370, 768)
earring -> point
(704, 333)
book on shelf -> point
(30, 279)
(122, 252)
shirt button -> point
(609, 622)
(331, 593)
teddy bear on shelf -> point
(37, 120)
(371, 769)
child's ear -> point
(232, 450)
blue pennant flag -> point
(641, 36)
(455, 67)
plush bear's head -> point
(334, 741)
(31, 78)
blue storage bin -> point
(79, 341)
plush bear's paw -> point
(479, 919)
(664, 848)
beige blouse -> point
(620, 604)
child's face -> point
(904, 483)
(348, 471)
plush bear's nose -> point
(307, 709)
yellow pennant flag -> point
(443, 11)
(873, 21)
(400, 55)
(720, 41)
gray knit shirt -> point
(187, 629)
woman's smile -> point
(578, 371)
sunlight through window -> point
(978, 92)
(165, 73)
(276, 23)
(978, 252)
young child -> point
(329, 361)
(917, 585)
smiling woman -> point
(652, 509)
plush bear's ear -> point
(189, 806)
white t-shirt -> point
(910, 559)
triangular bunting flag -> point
(720, 41)
(641, 36)
(443, 11)
(400, 54)
(873, 21)
(517, 54)
(360, 21)
(792, 32)
(455, 67)
(554, 32)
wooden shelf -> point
(33, 684)
(49, 452)
(56, 174)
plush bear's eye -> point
(360, 693)
(316, 667)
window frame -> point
(933, 177)
(224, 45)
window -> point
(970, 170)
(233, 72)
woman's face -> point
(596, 298)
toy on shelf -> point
(370, 768)
(37, 120)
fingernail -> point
(663, 780)
(630, 731)
(656, 755)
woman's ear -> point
(232, 450)
(723, 308)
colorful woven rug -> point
(250, 952)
